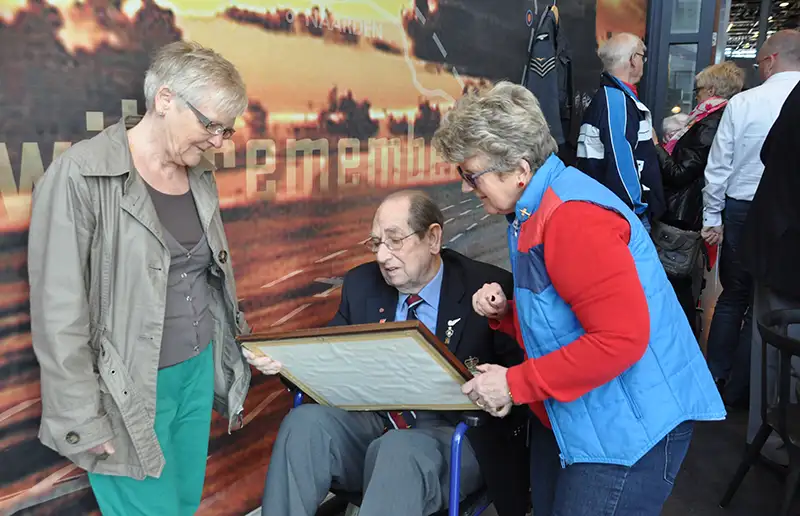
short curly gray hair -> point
(198, 75)
(504, 123)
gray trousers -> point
(766, 300)
(400, 472)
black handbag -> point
(678, 249)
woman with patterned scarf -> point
(683, 161)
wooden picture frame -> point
(369, 367)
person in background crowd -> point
(401, 461)
(732, 176)
(616, 144)
(672, 124)
(133, 300)
(683, 161)
(770, 251)
(613, 372)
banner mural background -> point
(344, 98)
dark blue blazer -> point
(499, 444)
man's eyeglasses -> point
(391, 243)
(757, 64)
(644, 57)
(214, 128)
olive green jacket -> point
(97, 266)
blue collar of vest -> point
(532, 196)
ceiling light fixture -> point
(784, 4)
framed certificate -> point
(388, 366)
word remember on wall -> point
(265, 168)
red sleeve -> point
(506, 324)
(587, 258)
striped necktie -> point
(402, 419)
(412, 302)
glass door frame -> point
(659, 38)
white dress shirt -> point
(734, 165)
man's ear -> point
(435, 238)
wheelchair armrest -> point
(474, 419)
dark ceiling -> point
(743, 27)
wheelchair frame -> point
(456, 443)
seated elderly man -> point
(401, 466)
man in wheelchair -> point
(400, 461)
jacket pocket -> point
(530, 272)
(631, 402)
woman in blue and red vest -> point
(613, 374)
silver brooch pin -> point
(450, 331)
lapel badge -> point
(472, 365)
(450, 324)
(380, 310)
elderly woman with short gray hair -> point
(133, 301)
(613, 374)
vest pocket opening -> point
(631, 402)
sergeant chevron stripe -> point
(542, 66)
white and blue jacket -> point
(615, 146)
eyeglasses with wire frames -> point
(471, 178)
(644, 56)
(758, 62)
(391, 243)
(215, 128)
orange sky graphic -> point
(290, 74)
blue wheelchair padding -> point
(455, 465)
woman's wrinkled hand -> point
(265, 364)
(489, 389)
(490, 301)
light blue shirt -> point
(428, 309)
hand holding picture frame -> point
(369, 367)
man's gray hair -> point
(619, 49)
(423, 211)
(785, 43)
(504, 123)
(197, 75)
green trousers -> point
(184, 398)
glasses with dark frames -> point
(215, 128)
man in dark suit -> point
(770, 251)
(404, 471)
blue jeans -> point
(604, 489)
(731, 326)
